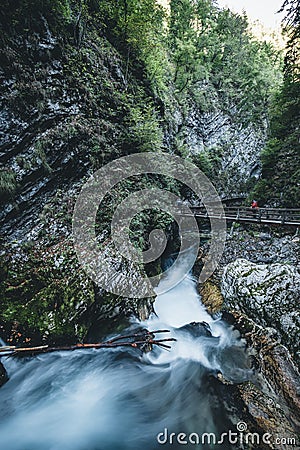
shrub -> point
(8, 184)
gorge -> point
(87, 82)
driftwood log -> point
(143, 340)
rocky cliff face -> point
(271, 404)
(65, 112)
(232, 143)
(56, 114)
(267, 293)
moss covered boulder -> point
(211, 296)
(267, 293)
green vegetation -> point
(39, 150)
(214, 55)
(23, 14)
(143, 131)
(46, 291)
(8, 184)
(279, 184)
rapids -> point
(120, 399)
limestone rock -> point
(271, 400)
(268, 294)
(235, 145)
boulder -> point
(197, 329)
(269, 402)
(267, 293)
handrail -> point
(283, 216)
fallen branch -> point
(140, 340)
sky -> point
(263, 10)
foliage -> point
(203, 161)
(8, 184)
(23, 14)
(281, 157)
(292, 30)
(279, 184)
(214, 46)
(143, 131)
(41, 292)
(39, 149)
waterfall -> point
(121, 399)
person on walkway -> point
(254, 204)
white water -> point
(119, 399)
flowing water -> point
(120, 399)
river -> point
(119, 399)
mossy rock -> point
(211, 297)
(45, 292)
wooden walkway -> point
(268, 216)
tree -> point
(292, 29)
(281, 158)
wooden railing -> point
(279, 216)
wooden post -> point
(259, 215)
(231, 229)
